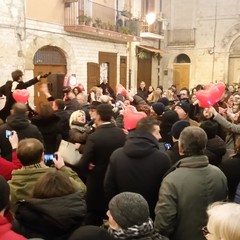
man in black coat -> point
(99, 147)
(17, 121)
(138, 166)
(58, 106)
(176, 130)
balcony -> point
(100, 21)
(181, 37)
(153, 31)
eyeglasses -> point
(205, 231)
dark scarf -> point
(144, 231)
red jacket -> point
(7, 167)
(5, 231)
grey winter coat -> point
(184, 196)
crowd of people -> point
(170, 170)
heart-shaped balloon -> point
(131, 116)
(81, 87)
(221, 88)
(121, 90)
(204, 98)
(210, 95)
(21, 95)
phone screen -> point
(118, 104)
(48, 158)
(8, 133)
(167, 146)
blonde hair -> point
(168, 94)
(154, 96)
(224, 219)
(74, 116)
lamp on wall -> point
(150, 18)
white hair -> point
(224, 221)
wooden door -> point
(181, 75)
(111, 60)
(93, 74)
(144, 72)
(40, 98)
(123, 71)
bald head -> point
(30, 151)
(19, 108)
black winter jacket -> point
(24, 129)
(215, 150)
(50, 219)
(137, 167)
(231, 169)
(51, 132)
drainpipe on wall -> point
(159, 45)
(214, 40)
(130, 66)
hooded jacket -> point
(24, 129)
(53, 218)
(137, 167)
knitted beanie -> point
(158, 108)
(178, 127)
(164, 101)
(184, 105)
(5, 192)
(128, 209)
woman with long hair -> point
(55, 210)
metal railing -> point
(100, 16)
(180, 37)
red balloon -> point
(121, 90)
(81, 87)
(21, 95)
(221, 88)
(210, 95)
(204, 98)
(131, 116)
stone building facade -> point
(201, 43)
(29, 25)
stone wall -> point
(21, 38)
(215, 24)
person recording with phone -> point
(18, 121)
(7, 167)
(30, 152)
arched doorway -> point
(49, 59)
(234, 63)
(181, 71)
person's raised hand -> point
(13, 139)
(45, 75)
(58, 161)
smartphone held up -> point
(8, 133)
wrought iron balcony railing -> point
(91, 18)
